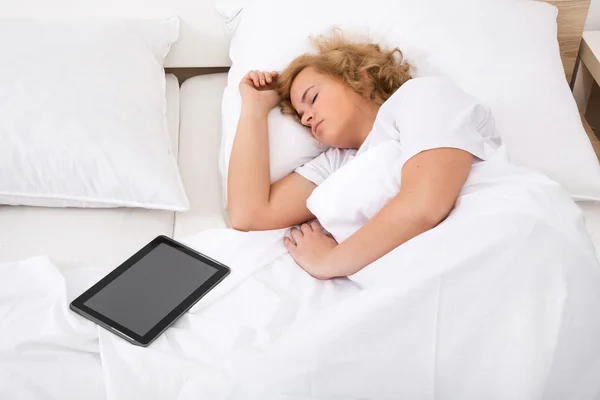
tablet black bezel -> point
(162, 325)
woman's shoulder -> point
(424, 87)
(425, 107)
(423, 96)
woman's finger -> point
(296, 234)
(316, 226)
(254, 78)
(274, 75)
(305, 228)
(287, 242)
(258, 78)
(261, 77)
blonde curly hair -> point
(386, 70)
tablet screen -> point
(151, 288)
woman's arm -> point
(431, 183)
(253, 203)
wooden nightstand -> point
(588, 70)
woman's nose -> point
(307, 119)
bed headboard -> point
(203, 41)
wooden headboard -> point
(571, 20)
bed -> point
(196, 71)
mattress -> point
(99, 238)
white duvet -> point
(500, 301)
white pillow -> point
(290, 144)
(503, 52)
(231, 11)
(83, 114)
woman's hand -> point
(258, 88)
(312, 249)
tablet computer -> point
(143, 296)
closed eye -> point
(300, 115)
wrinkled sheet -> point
(462, 311)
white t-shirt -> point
(424, 113)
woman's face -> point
(328, 107)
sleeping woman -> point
(354, 97)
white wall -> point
(593, 20)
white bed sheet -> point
(99, 238)
(271, 331)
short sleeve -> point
(319, 168)
(433, 113)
